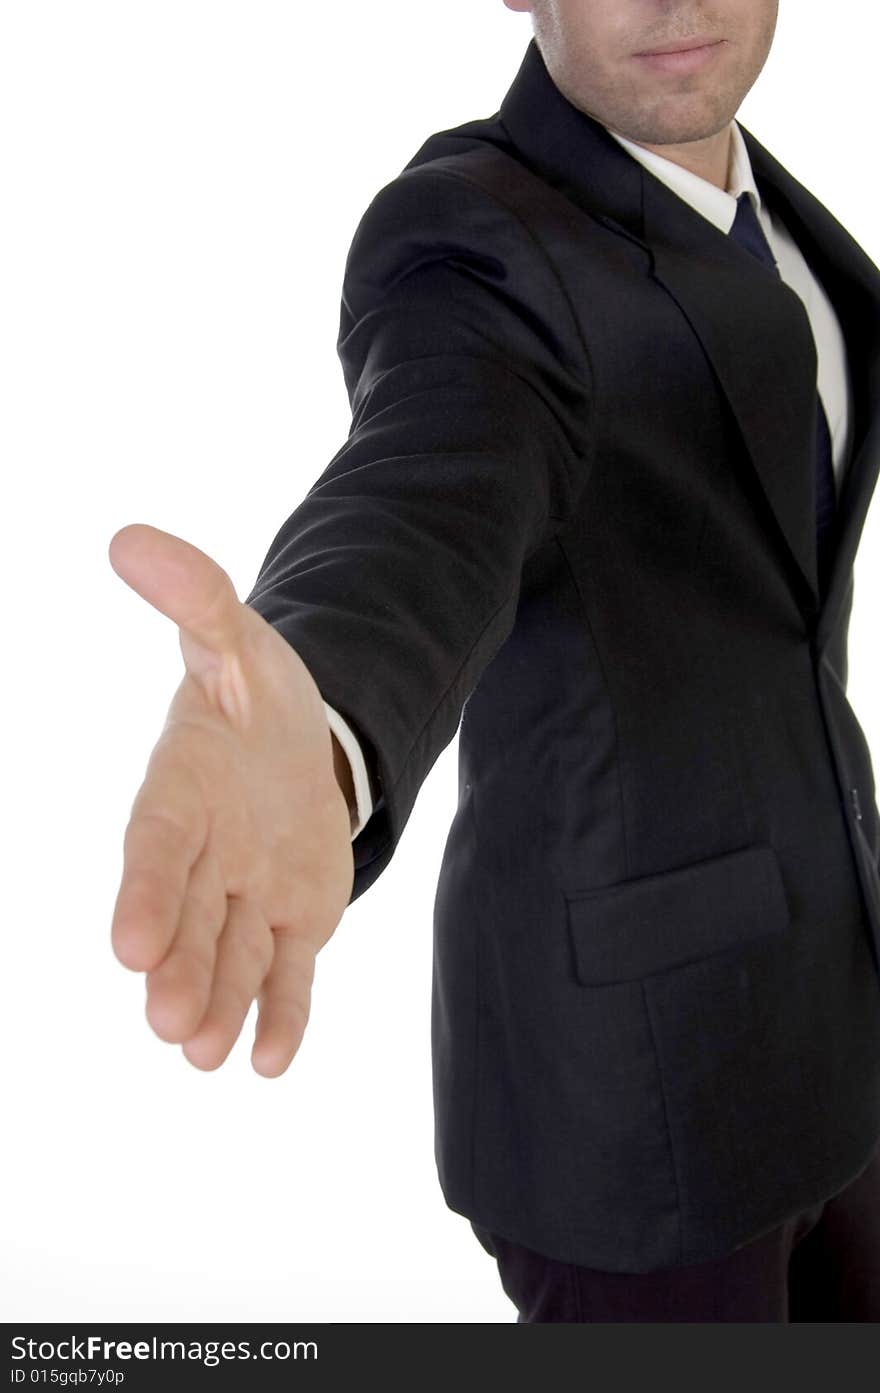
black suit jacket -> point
(576, 512)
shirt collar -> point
(717, 205)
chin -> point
(679, 135)
(679, 128)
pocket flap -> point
(638, 927)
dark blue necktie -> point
(748, 232)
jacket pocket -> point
(640, 927)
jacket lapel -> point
(852, 282)
(756, 335)
(753, 328)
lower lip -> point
(686, 60)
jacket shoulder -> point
(462, 225)
(446, 207)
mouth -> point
(680, 46)
(682, 55)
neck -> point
(709, 158)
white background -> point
(181, 182)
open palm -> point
(237, 861)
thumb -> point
(183, 583)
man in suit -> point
(615, 430)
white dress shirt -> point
(351, 745)
(719, 207)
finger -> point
(181, 581)
(244, 956)
(284, 1003)
(179, 989)
(164, 836)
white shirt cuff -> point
(349, 742)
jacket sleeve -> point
(396, 579)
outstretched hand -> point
(237, 853)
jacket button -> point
(857, 809)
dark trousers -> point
(821, 1265)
